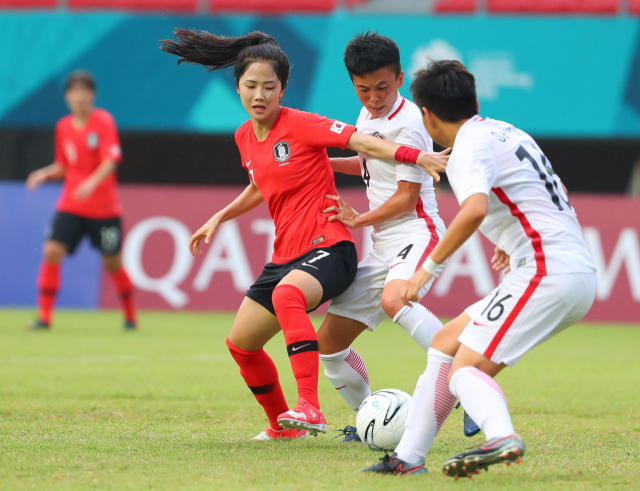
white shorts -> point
(397, 253)
(526, 310)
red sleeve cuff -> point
(346, 134)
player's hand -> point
(500, 261)
(434, 162)
(35, 179)
(410, 291)
(205, 232)
(343, 212)
(84, 190)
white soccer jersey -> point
(403, 125)
(529, 216)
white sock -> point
(419, 323)
(432, 403)
(348, 374)
(483, 400)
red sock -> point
(48, 284)
(124, 287)
(302, 343)
(260, 374)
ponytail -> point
(218, 52)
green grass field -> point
(89, 406)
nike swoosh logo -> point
(300, 347)
(248, 163)
(305, 264)
(397, 264)
(477, 324)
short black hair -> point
(447, 89)
(82, 77)
(368, 52)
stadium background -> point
(567, 72)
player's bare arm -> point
(247, 201)
(430, 162)
(53, 172)
(403, 201)
(346, 165)
(89, 185)
(473, 211)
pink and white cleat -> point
(271, 434)
(304, 416)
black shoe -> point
(470, 427)
(391, 464)
(130, 325)
(509, 450)
(38, 325)
(350, 434)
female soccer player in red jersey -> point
(314, 260)
(87, 152)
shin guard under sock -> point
(483, 400)
(348, 374)
(260, 374)
(302, 343)
(124, 288)
(48, 284)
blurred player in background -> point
(404, 215)
(507, 188)
(314, 260)
(87, 153)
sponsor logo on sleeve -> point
(337, 127)
(115, 151)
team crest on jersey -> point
(282, 151)
(377, 134)
(92, 140)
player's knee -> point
(441, 340)
(112, 263)
(391, 303)
(53, 252)
(287, 296)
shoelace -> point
(346, 431)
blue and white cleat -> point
(350, 434)
(508, 450)
(470, 427)
(391, 464)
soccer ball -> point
(381, 418)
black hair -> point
(218, 52)
(447, 89)
(368, 52)
(82, 77)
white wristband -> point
(430, 266)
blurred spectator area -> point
(555, 7)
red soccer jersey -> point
(292, 171)
(81, 151)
